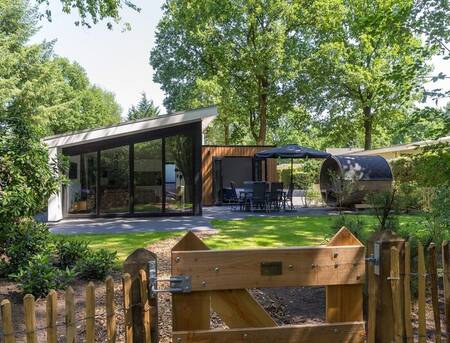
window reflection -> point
(114, 180)
(148, 176)
(81, 191)
(179, 173)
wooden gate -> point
(218, 281)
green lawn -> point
(289, 231)
(123, 243)
(250, 232)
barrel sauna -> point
(352, 178)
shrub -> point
(40, 276)
(96, 264)
(24, 240)
(303, 177)
(70, 251)
(353, 223)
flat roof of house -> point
(204, 115)
(390, 149)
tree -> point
(144, 109)
(79, 105)
(370, 66)
(246, 48)
(27, 91)
(90, 12)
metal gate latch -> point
(177, 284)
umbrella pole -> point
(292, 171)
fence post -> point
(139, 260)
(7, 324)
(143, 281)
(110, 311)
(446, 269)
(396, 301)
(344, 303)
(30, 318)
(407, 291)
(190, 311)
(51, 316)
(128, 315)
(70, 315)
(90, 313)
(384, 323)
(434, 290)
(421, 274)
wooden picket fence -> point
(9, 335)
(219, 283)
(400, 278)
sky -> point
(114, 60)
(119, 61)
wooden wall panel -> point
(211, 151)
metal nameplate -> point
(271, 268)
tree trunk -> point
(368, 126)
(263, 99)
(226, 133)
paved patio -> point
(197, 223)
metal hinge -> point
(177, 284)
(375, 257)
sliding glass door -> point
(179, 173)
(148, 176)
(153, 176)
(114, 180)
(82, 189)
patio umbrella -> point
(292, 151)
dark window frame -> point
(193, 130)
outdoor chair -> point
(287, 197)
(276, 195)
(236, 200)
(258, 199)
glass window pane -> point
(148, 176)
(114, 180)
(179, 173)
(81, 190)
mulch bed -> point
(303, 305)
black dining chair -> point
(276, 195)
(237, 199)
(258, 198)
(287, 197)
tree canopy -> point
(145, 108)
(40, 94)
(337, 72)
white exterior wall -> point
(54, 209)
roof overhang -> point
(203, 115)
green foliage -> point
(429, 168)
(422, 124)
(243, 51)
(96, 265)
(304, 176)
(70, 251)
(144, 109)
(39, 276)
(90, 12)
(326, 73)
(78, 105)
(384, 205)
(21, 241)
(438, 216)
(355, 224)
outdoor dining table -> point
(246, 194)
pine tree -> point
(144, 109)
